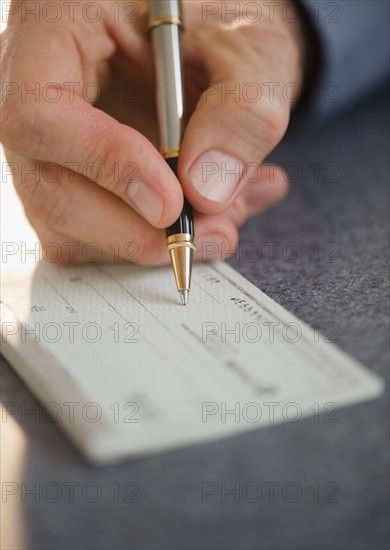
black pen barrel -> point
(185, 223)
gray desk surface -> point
(348, 208)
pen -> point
(166, 25)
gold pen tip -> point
(184, 296)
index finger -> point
(49, 120)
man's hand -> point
(83, 176)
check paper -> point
(127, 371)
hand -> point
(83, 176)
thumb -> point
(227, 138)
(242, 113)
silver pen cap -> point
(165, 25)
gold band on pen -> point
(180, 239)
(170, 152)
(165, 20)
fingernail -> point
(146, 200)
(216, 175)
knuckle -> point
(113, 175)
(252, 123)
(110, 170)
(268, 117)
(19, 130)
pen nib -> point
(184, 296)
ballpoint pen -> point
(165, 25)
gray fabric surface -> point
(352, 292)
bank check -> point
(126, 371)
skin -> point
(74, 205)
